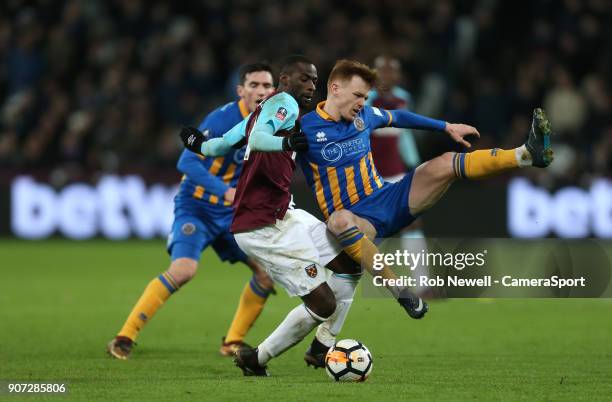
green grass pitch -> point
(61, 302)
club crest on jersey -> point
(188, 229)
(311, 271)
(359, 123)
(281, 113)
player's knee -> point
(444, 169)
(323, 307)
(183, 270)
(321, 302)
(328, 306)
(341, 220)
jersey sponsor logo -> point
(331, 152)
(311, 271)
(335, 150)
(188, 229)
(321, 136)
(359, 123)
(281, 113)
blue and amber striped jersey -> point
(205, 178)
(338, 165)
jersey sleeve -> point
(402, 119)
(278, 113)
(191, 164)
(406, 119)
(377, 117)
(220, 146)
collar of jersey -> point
(324, 115)
(244, 111)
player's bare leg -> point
(352, 233)
(181, 271)
(252, 301)
(432, 178)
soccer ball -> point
(348, 360)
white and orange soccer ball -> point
(348, 360)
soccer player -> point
(202, 217)
(291, 244)
(356, 202)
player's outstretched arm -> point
(406, 119)
(197, 142)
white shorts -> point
(293, 251)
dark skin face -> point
(300, 83)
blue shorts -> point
(196, 226)
(387, 208)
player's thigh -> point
(431, 180)
(287, 253)
(189, 236)
(331, 254)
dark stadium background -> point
(93, 94)
(89, 88)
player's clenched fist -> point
(192, 139)
(296, 140)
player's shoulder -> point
(309, 118)
(224, 110)
(372, 111)
(282, 99)
(313, 121)
(222, 119)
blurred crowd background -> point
(103, 85)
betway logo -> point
(570, 212)
(116, 208)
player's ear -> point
(283, 80)
(333, 88)
(240, 90)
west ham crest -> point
(311, 271)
